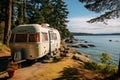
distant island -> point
(79, 33)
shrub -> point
(56, 59)
(105, 58)
(104, 68)
(91, 65)
(70, 71)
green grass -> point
(103, 68)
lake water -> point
(102, 44)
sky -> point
(78, 15)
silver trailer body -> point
(32, 41)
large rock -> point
(76, 46)
(81, 57)
(71, 40)
(83, 45)
(91, 45)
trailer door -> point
(51, 42)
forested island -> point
(79, 33)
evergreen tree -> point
(2, 17)
(33, 11)
(19, 11)
(111, 9)
(59, 17)
(60, 13)
(46, 10)
(53, 12)
(27, 11)
(2, 10)
(7, 28)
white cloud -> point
(80, 25)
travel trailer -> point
(32, 41)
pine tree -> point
(19, 11)
(59, 17)
(46, 10)
(7, 29)
(2, 10)
(33, 12)
(53, 12)
(2, 17)
(111, 9)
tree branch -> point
(107, 15)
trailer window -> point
(55, 36)
(21, 38)
(51, 35)
(34, 37)
(44, 36)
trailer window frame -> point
(20, 37)
(44, 36)
(55, 36)
(34, 37)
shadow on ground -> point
(69, 73)
(4, 78)
(4, 63)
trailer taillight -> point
(30, 55)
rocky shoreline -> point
(70, 48)
(72, 43)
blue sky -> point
(78, 15)
(77, 9)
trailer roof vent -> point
(45, 25)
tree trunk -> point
(7, 29)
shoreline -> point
(109, 44)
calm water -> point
(102, 45)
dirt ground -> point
(50, 70)
(65, 69)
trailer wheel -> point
(11, 73)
